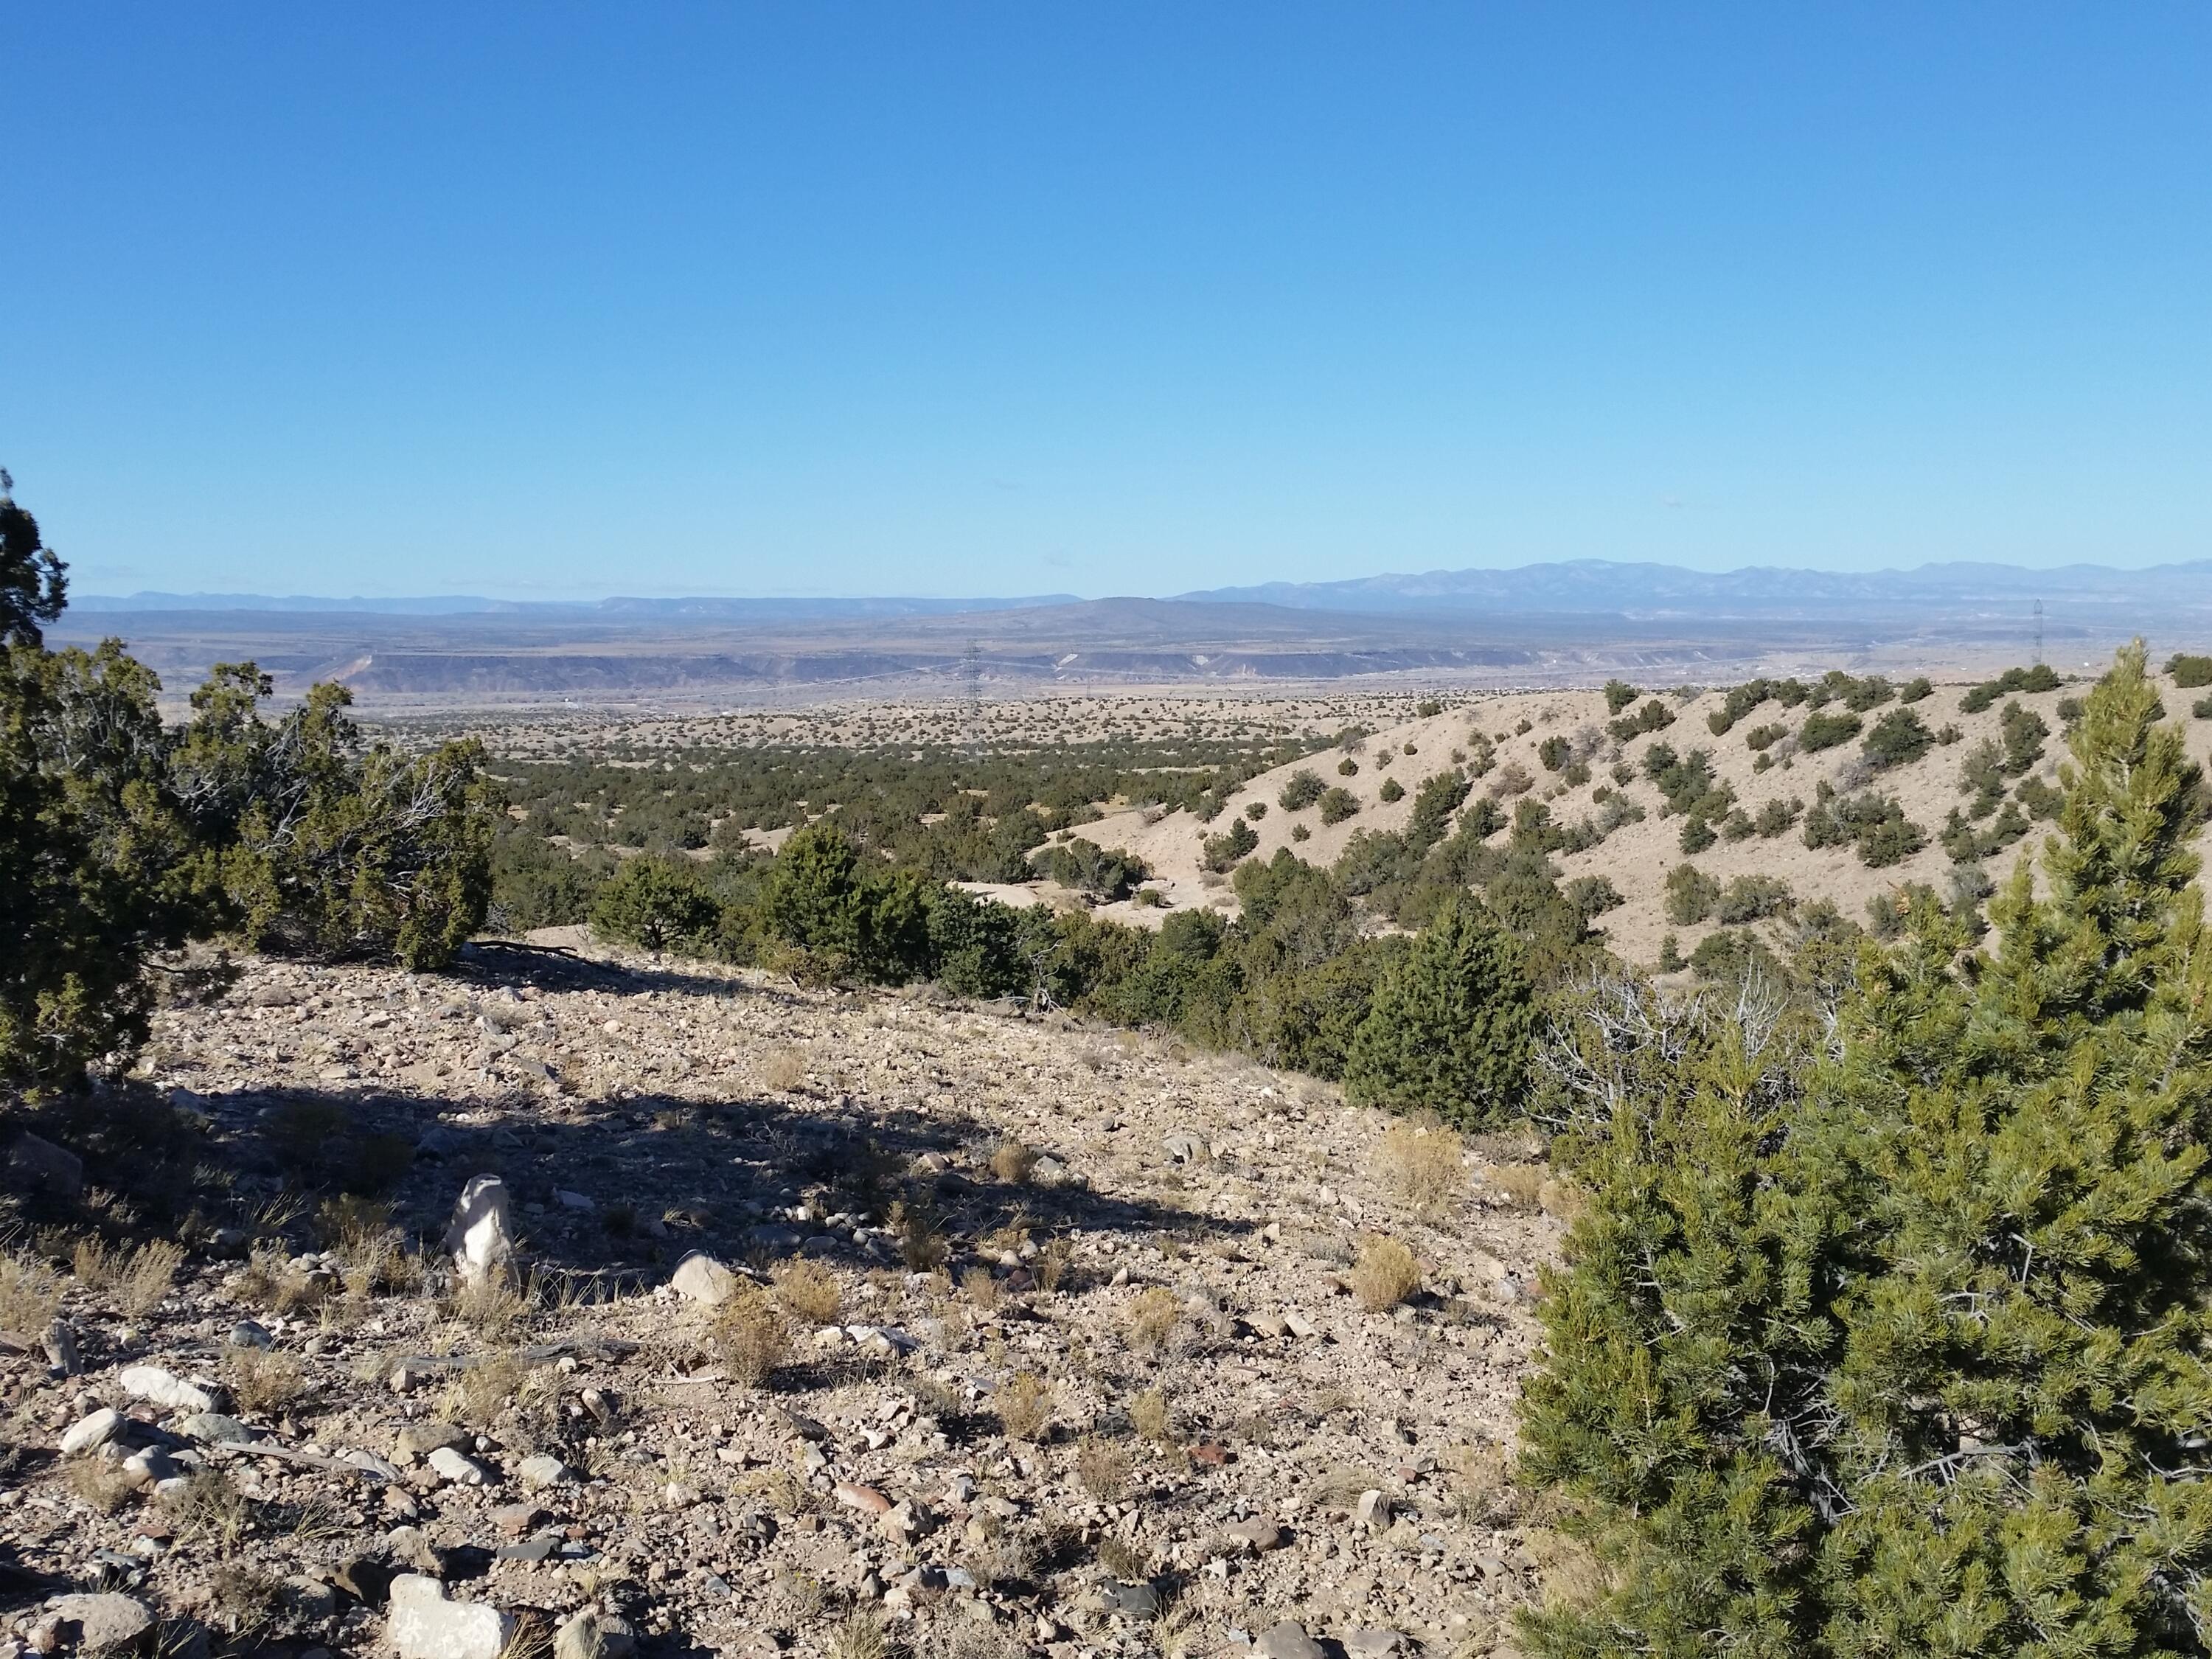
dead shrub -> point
(809, 1291)
(783, 1069)
(1150, 1318)
(1013, 1162)
(493, 1306)
(209, 1508)
(860, 1636)
(1049, 1267)
(750, 1333)
(1426, 1164)
(149, 1275)
(100, 1485)
(921, 1246)
(262, 1381)
(30, 1294)
(1102, 1467)
(242, 1598)
(1024, 1402)
(1153, 1418)
(981, 1288)
(1128, 1562)
(1482, 1485)
(1520, 1185)
(1384, 1273)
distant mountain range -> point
(1574, 587)
(702, 609)
(1601, 586)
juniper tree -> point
(1450, 1027)
(1887, 1338)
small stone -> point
(60, 1343)
(92, 1432)
(421, 1439)
(1258, 1536)
(699, 1277)
(307, 1598)
(1288, 1640)
(542, 1470)
(583, 1203)
(1298, 1325)
(165, 1389)
(516, 1520)
(247, 1334)
(213, 1429)
(101, 1623)
(594, 1635)
(867, 1499)
(1372, 1512)
(480, 1238)
(424, 1624)
(1137, 1601)
(537, 1549)
(461, 1470)
(1373, 1644)
(37, 1162)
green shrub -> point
(2189, 672)
(1555, 751)
(1856, 1344)
(1654, 716)
(1392, 790)
(1826, 731)
(1449, 1028)
(1303, 789)
(1337, 804)
(1223, 851)
(1899, 738)
(2041, 677)
(1690, 895)
(657, 904)
(1917, 690)
(1619, 694)
(1752, 898)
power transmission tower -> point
(971, 699)
(2039, 631)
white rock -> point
(165, 1389)
(461, 1471)
(424, 1624)
(91, 1432)
(541, 1471)
(103, 1622)
(481, 1239)
(699, 1277)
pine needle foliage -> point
(1884, 1332)
(1449, 1029)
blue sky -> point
(559, 301)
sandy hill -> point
(1637, 856)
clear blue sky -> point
(554, 300)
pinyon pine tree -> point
(1887, 1336)
(1449, 1029)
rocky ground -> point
(832, 1323)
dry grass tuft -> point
(1570, 1574)
(1123, 1559)
(922, 1245)
(1025, 1404)
(809, 1291)
(495, 1307)
(242, 1598)
(750, 1333)
(1481, 1485)
(478, 1395)
(1102, 1467)
(1152, 1318)
(100, 1485)
(981, 1288)
(1152, 1417)
(30, 1294)
(1520, 1185)
(261, 1382)
(210, 1509)
(1426, 1163)
(1014, 1161)
(1050, 1266)
(1384, 1273)
(860, 1635)
(783, 1069)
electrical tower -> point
(2039, 631)
(971, 699)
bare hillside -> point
(1090, 1341)
(1637, 856)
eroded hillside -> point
(1092, 1341)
